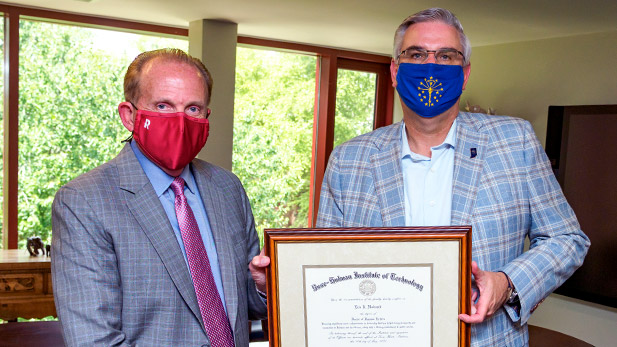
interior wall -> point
(522, 80)
(397, 111)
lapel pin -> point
(474, 153)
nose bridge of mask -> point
(182, 123)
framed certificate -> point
(402, 286)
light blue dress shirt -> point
(428, 182)
(161, 183)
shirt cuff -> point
(513, 309)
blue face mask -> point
(429, 89)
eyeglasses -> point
(446, 56)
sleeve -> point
(557, 243)
(86, 281)
(330, 213)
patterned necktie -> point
(210, 305)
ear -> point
(127, 115)
(466, 72)
(393, 71)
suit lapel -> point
(471, 146)
(388, 177)
(215, 207)
(145, 206)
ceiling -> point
(361, 25)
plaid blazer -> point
(506, 191)
(119, 276)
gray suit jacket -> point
(118, 273)
(506, 191)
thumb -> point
(475, 270)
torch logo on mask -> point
(429, 89)
(170, 140)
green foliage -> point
(355, 104)
(68, 122)
(273, 131)
(44, 319)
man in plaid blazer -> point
(492, 174)
(119, 267)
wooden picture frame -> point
(372, 286)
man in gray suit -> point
(154, 247)
(440, 166)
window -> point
(273, 128)
(63, 85)
(64, 81)
(70, 84)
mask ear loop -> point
(130, 138)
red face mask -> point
(170, 140)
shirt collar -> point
(450, 141)
(159, 179)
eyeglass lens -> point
(442, 56)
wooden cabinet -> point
(25, 285)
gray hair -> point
(434, 14)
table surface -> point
(16, 259)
